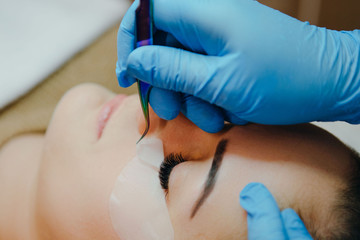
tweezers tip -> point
(144, 134)
(140, 139)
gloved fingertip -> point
(206, 116)
(166, 104)
(294, 226)
(254, 196)
(166, 115)
(214, 127)
(140, 63)
(230, 117)
(263, 214)
(123, 79)
(291, 217)
(251, 190)
(240, 122)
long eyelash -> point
(167, 166)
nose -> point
(180, 135)
(156, 123)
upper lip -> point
(106, 111)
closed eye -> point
(167, 166)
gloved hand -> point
(243, 62)
(265, 221)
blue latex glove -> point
(244, 62)
(265, 221)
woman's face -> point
(93, 135)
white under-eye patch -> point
(137, 203)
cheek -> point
(74, 189)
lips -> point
(106, 112)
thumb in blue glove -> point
(265, 221)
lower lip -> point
(106, 112)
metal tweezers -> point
(144, 36)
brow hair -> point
(211, 179)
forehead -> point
(303, 144)
(294, 162)
(301, 165)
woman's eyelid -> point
(170, 161)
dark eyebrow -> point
(211, 179)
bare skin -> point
(57, 186)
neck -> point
(19, 164)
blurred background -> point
(332, 14)
(49, 46)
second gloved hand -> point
(264, 219)
(244, 62)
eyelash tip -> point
(167, 166)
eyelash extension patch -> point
(137, 203)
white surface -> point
(38, 36)
(347, 133)
(137, 203)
